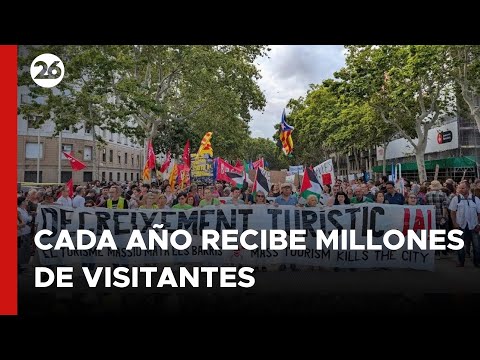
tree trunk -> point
(348, 165)
(94, 155)
(422, 173)
(469, 96)
(94, 147)
(337, 158)
(357, 165)
(384, 171)
(420, 152)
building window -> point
(65, 176)
(118, 176)
(87, 176)
(126, 158)
(66, 148)
(125, 177)
(33, 121)
(32, 151)
(132, 161)
(104, 155)
(131, 176)
(138, 160)
(137, 177)
(111, 156)
(88, 129)
(103, 176)
(119, 159)
(87, 153)
(110, 176)
(31, 176)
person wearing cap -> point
(286, 197)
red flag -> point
(223, 167)
(74, 163)
(151, 155)
(239, 165)
(186, 154)
(326, 179)
(70, 187)
(258, 163)
(166, 164)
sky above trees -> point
(286, 74)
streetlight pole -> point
(38, 155)
(60, 157)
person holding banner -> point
(182, 202)
(116, 201)
(286, 198)
(312, 201)
(379, 198)
(162, 202)
(209, 199)
(392, 196)
(341, 199)
(260, 198)
(149, 201)
(359, 197)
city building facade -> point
(118, 158)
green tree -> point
(406, 85)
(256, 148)
(155, 92)
(158, 85)
(465, 70)
(330, 120)
(80, 99)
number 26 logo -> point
(47, 70)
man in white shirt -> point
(79, 201)
(465, 214)
(64, 200)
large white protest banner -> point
(378, 218)
(325, 172)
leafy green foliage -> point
(256, 148)
(168, 93)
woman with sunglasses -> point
(260, 198)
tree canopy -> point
(165, 93)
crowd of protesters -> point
(457, 204)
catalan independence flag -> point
(286, 135)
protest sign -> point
(377, 217)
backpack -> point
(459, 199)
